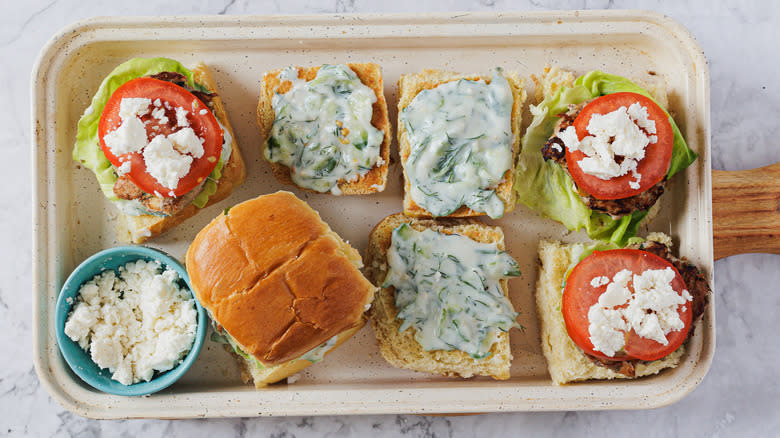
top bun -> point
(277, 278)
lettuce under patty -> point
(547, 188)
(87, 149)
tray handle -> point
(746, 211)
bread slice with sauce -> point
(279, 283)
(370, 75)
(409, 85)
(565, 360)
(137, 229)
(401, 349)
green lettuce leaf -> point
(87, 148)
(210, 187)
(547, 188)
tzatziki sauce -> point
(460, 136)
(322, 128)
(448, 287)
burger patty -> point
(125, 188)
(181, 80)
(696, 284)
(555, 150)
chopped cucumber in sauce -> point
(322, 130)
(460, 134)
(448, 288)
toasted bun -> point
(277, 278)
(565, 361)
(400, 349)
(261, 376)
(412, 84)
(370, 75)
(137, 229)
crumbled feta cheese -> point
(130, 136)
(124, 168)
(650, 310)
(181, 117)
(164, 163)
(159, 114)
(131, 107)
(187, 142)
(203, 112)
(619, 133)
(635, 184)
(599, 281)
(134, 323)
(167, 158)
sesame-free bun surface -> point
(277, 279)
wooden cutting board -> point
(746, 211)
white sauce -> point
(316, 354)
(651, 310)
(322, 130)
(460, 135)
(448, 288)
(134, 323)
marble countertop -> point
(738, 396)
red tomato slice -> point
(579, 295)
(204, 125)
(653, 167)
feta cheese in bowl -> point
(127, 322)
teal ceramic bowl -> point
(80, 361)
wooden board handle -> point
(746, 211)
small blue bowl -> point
(80, 361)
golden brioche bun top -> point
(277, 278)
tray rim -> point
(71, 34)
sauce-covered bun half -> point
(276, 278)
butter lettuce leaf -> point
(210, 186)
(87, 148)
(547, 188)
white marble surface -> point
(740, 395)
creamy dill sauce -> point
(316, 354)
(448, 288)
(460, 135)
(322, 130)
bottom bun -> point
(565, 361)
(251, 372)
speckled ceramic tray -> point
(73, 220)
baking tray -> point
(72, 220)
